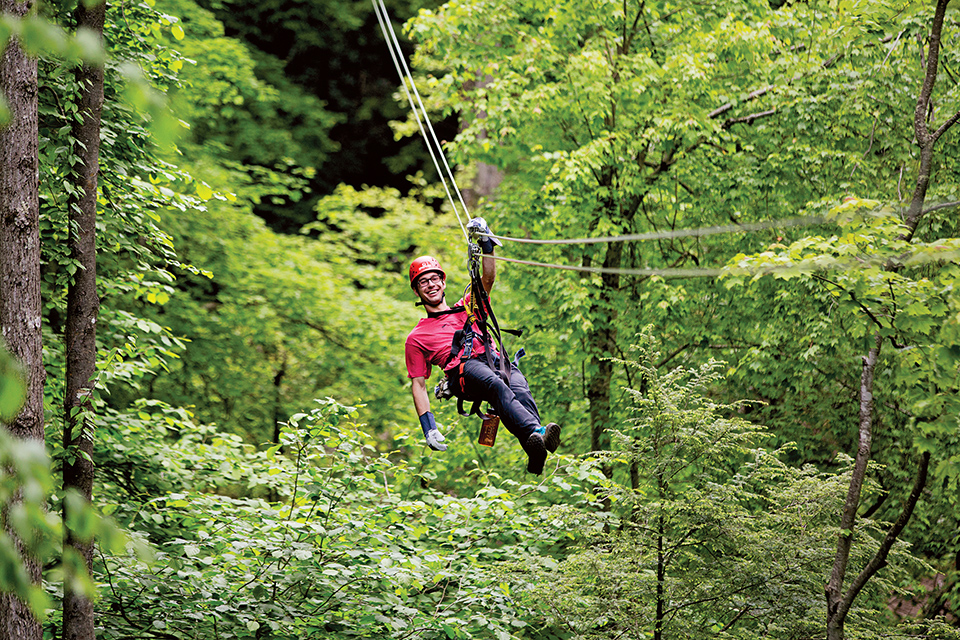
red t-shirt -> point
(429, 343)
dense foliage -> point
(255, 440)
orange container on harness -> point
(488, 430)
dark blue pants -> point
(513, 403)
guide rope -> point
(665, 273)
(432, 142)
(445, 174)
(678, 233)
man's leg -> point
(521, 389)
(481, 382)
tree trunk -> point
(278, 399)
(661, 579)
(20, 307)
(83, 305)
(925, 138)
(483, 185)
(836, 614)
(840, 599)
(602, 345)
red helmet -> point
(422, 265)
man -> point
(432, 343)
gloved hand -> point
(434, 438)
(479, 225)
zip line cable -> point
(679, 233)
(436, 149)
(816, 264)
(666, 273)
(653, 235)
(393, 44)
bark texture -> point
(840, 596)
(20, 270)
(83, 305)
(837, 605)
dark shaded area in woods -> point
(337, 52)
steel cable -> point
(393, 44)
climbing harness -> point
(480, 324)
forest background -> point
(759, 417)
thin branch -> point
(626, 369)
(937, 207)
(628, 38)
(886, 40)
(753, 95)
(946, 125)
(873, 131)
(673, 355)
(750, 119)
(853, 297)
(736, 617)
(879, 560)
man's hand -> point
(479, 226)
(434, 438)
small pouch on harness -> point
(488, 430)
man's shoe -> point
(536, 453)
(551, 436)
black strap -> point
(488, 325)
(474, 410)
(489, 333)
(437, 314)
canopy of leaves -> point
(272, 520)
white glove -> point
(435, 440)
(479, 226)
(429, 426)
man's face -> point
(430, 288)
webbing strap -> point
(437, 314)
(487, 322)
(479, 313)
(475, 409)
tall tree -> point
(878, 290)
(20, 305)
(82, 307)
(840, 594)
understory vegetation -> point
(744, 314)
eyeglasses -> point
(423, 282)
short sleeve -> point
(417, 365)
